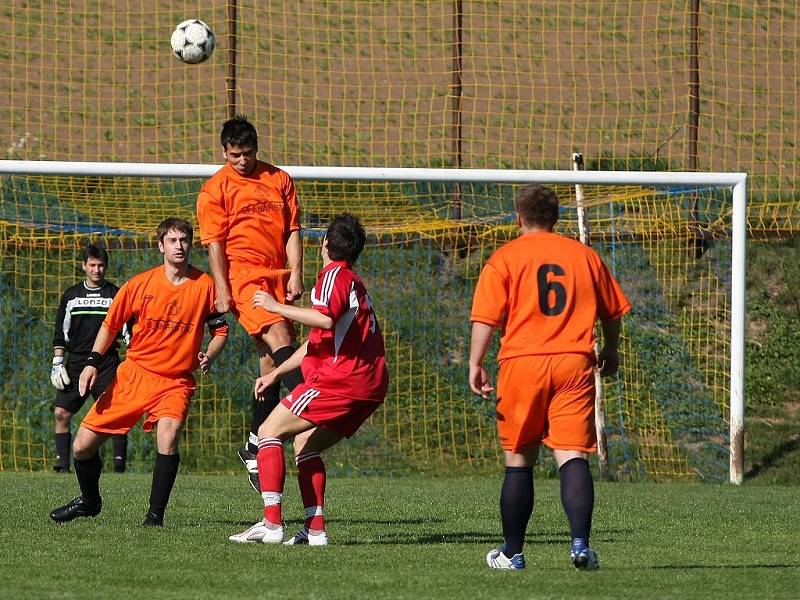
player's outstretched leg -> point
(260, 410)
(272, 476)
(89, 503)
(164, 474)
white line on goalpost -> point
(736, 181)
(599, 407)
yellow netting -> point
(406, 83)
(666, 412)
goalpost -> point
(424, 420)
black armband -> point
(94, 359)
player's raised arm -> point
(304, 316)
(293, 362)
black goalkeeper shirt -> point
(80, 314)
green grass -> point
(397, 538)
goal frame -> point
(736, 181)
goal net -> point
(674, 240)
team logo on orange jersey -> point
(173, 308)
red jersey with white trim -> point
(348, 360)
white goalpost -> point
(736, 182)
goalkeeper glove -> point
(58, 374)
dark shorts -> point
(69, 398)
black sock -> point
(261, 409)
(63, 443)
(516, 507)
(164, 474)
(120, 445)
(577, 496)
(294, 377)
(88, 473)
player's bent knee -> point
(278, 336)
(63, 415)
(564, 456)
(283, 424)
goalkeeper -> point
(80, 314)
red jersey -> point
(546, 291)
(252, 214)
(348, 360)
(168, 332)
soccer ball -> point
(192, 41)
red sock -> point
(311, 479)
(272, 477)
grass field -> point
(397, 538)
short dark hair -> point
(176, 224)
(537, 205)
(346, 238)
(240, 132)
(96, 252)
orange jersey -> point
(253, 215)
(168, 332)
(546, 291)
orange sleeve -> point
(611, 300)
(292, 207)
(211, 213)
(490, 302)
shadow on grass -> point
(685, 567)
(776, 455)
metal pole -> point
(694, 117)
(456, 103)
(738, 307)
(599, 407)
(230, 79)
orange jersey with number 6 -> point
(546, 291)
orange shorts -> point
(247, 281)
(547, 399)
(136, 392)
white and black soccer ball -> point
(193, 41)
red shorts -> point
(547, 399)
(136, 392)
(340, 414)
(247, 281)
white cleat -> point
(496, 559)
(304, 536)
(259, 533)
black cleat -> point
(59, 468)
(119, 467)
(153, 520)
(77, 508)
(249, 461)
